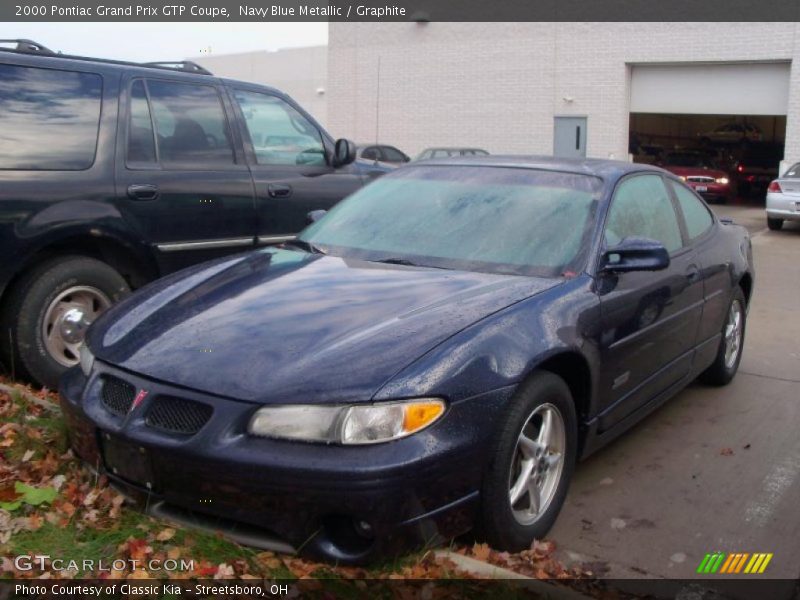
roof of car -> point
(604, 168)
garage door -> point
(714, 89)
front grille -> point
(700, 179)
(178, 415)
(117, 395)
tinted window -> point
(280, 134)
(794, 171)
(642, 208)
(393, 154)
(141, 146)
(488, 219)
(190, 123)
(48, 119)
(696, 215)
(370, 153)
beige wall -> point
(299, 72)
(499, 85)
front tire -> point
(46, 314)
(774, 224)
(534, 456)
(729, 354)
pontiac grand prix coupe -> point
(433, 354)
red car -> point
(699, 173)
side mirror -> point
(635, 254)
(314, 216)
(344, 152)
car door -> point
(649, 319)
(181, 177)
(713, 262)
(290, 161)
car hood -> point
(280, 326)
(696, 171)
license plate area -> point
(128, 461)
(701, 188)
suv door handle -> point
(143, 191)
(279, 190)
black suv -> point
(113, 174)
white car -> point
(783, 198)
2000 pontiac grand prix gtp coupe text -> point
(434, 353)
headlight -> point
(87, 359)
(722, 180)
(357, 424)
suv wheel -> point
(47, 312)
(534, 456)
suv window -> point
(642, 208)
(279, 133)
(141, 144)
(191, 125)
(698, 219)
(49, 119)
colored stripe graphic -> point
(734, 563)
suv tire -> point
(38, 342)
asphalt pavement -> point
(714, 469)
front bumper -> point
(418, 490)
(712, 191)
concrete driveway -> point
(715, 469)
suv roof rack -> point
(30, 47)
(180, 65)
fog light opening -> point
(351, 535)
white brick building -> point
(502, 85)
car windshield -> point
(493, 219)
(687, 160)
(793, 172)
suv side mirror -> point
(635, 254)
(344, 152)
(314, 216)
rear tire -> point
(774, 224)
(512, 525)
(38, 341)
(729, 354)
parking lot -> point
(715, 469)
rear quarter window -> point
(695, 214)
(49, 118)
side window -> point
(49, 119)
(393, 154)
(280, 134)
(641, 207)
(141, 144)
(698, 219)
(370, 153)
(191, 125)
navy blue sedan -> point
(433, 354)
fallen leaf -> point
(726, 452)
(165, 534)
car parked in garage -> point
(433, 353)
(757, 167)
(113, 174)
(700, 174)
(731, 133)
(783, 198)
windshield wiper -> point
(405, 262)
(304, 245)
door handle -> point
(143, 191)
(692, 273)
(279, 190)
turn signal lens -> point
(420, 414)
(775, 188)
